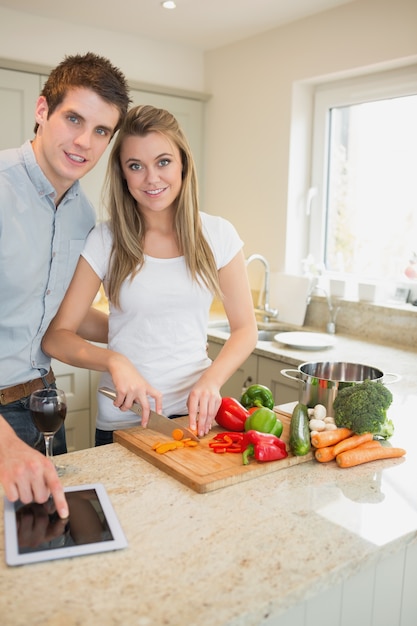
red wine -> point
(49, 422)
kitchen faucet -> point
(265, 309)
(333, 311)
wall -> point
(256, 165)
(43, 41)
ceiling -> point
(202, 24)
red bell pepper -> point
(263, 446)
(231, 415)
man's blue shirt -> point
(39, 249)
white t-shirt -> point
(161, 325)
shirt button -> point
(48, 292)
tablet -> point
(34, 532)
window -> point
(363, 220)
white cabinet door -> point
(77, 430)
(76, 384)
(18, 94)
(269, 374)
(246, 375)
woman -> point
(161, 262)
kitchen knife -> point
(157, 422)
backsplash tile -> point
(388, 325)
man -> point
(44, 220)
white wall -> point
(254, 85)
(44, 41)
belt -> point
(11, 394)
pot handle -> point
(395, 378)
(288, 374)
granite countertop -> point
(193, 559)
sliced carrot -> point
(177, 434)
(357, 456)
(352, 442)
(326, 438)
(169, 445)
(155, 445)
(190, 443)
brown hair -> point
(92, 72)
(126, 221)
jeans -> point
(103, 437)
(17, 414)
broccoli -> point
(363, 408)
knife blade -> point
(157, 422)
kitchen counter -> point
(249, 554)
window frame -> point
(377, 86)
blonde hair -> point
(127, 223)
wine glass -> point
(48, 408)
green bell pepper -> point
(264, 420)
(257, 395)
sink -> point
(266, 335)
(263, 334)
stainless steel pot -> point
(320, 382)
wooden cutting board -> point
(200, 468)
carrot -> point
(352, 442)
(356, 456)
(328, 453)
(373, 443)
(326, 438)
(177, 434)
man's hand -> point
(26, 474)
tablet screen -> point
(35, 532)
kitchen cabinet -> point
(76, 384)
(269, 373)
(258, 369)
(18, 93)
(243, 377)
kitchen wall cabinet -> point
(258, 369)
(18, 94)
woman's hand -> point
(131, 387)
(203, 403)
